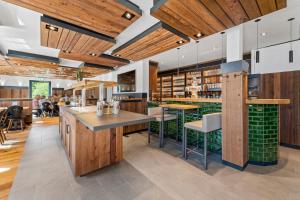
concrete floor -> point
(148, 173)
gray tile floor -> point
(148, 173)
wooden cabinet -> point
(139, 106)
(86, 150)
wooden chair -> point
(3, 125)
(15, 114)
(209, 123)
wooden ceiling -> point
(103, 16)
(158, 38)
(73, 39)
(95, 69)
(103, 59)
(210, 16)
(34, 65)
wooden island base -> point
(89, 150)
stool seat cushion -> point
(195, 125)
(167, 117)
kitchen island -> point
(93, 142)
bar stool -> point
(157, 113)
(210, 122)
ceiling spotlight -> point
(127, 15)
(66, 51)
(53, 63)
(51, 28)
(93, 54)
(180, 42)
(263, 34)
(118, 55)
(198, 35)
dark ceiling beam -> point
(38, 57)
(75, 28)
(147, 32)
(130, 5)
(114, 58)
(98, 66)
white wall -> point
(142, 75)
(24, 81)
(276, 59)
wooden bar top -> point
(268, 101)
(179, 106)
(208, 100)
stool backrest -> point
(212, 122)
(15, 112)
(154, 111)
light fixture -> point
(180, 42)
(127, 15)
(198, 35)
(257, 52)
(51, 28)
(223, 57)
(263, 34)
(118, 55)
(178, 60)
(66, 51)
(93, 54)
(53, 63)
(291, 52)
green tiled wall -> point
(263, 133)
(214, 139)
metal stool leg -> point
(149, 132)
(205, 150)
(185, 143)
(160, 134)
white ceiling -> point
(20, 30)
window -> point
(40, 88)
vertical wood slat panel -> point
(285, 85)
(234, 119)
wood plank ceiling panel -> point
(267, 6)
(234, 10)
(207, 17)
(103, 16)
(72, 39)
(102, 59)
(34, 65)
(251, 8)
(158, 38)
(87, 69)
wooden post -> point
(235, 119)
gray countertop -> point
(95, 123)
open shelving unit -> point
(175, 85)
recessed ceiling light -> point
(53, 63)
(127, 15)
(118, 55)
(93, 54)
(52, 28)
(180, 42)
(198, 35)
(66, 51)
(263, 34)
